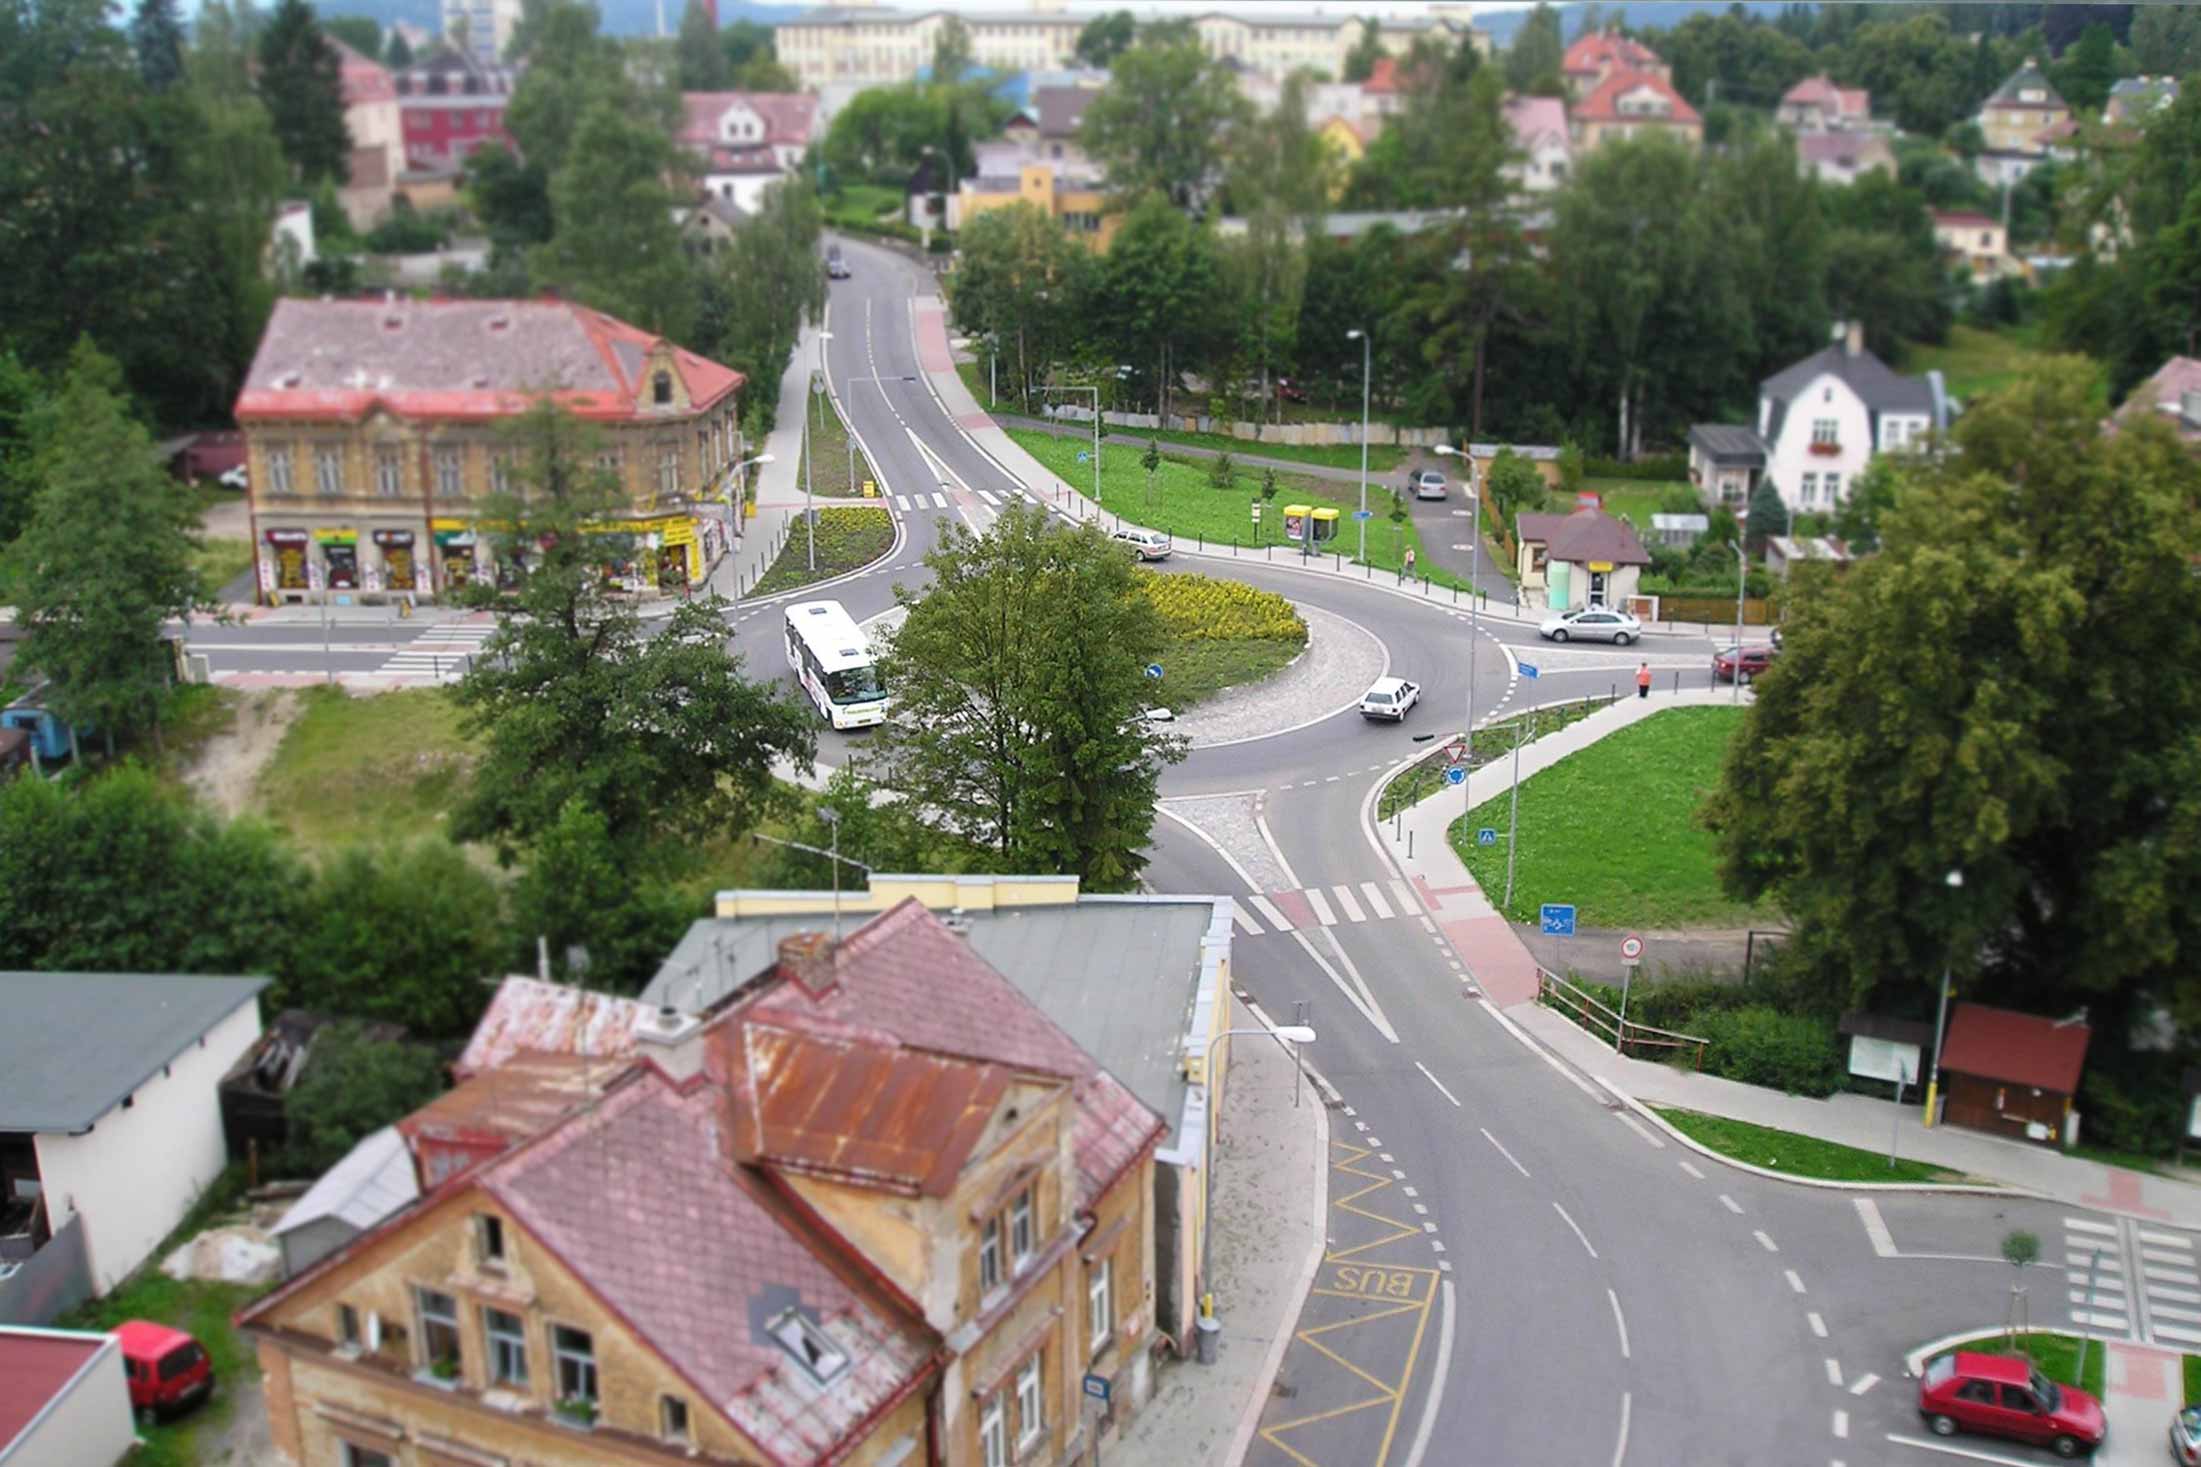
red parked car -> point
(2001, 1395)
(1755, 660)
(168, 1369)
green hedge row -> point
(1751, 1036)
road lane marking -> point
(1435, 1397)
(2087, 1225)
(1405, 894)
(1637, 1126)
(1692, 1171)
(1346, 899)
(1448, 1095)
(1493, 1140)
(1376, 903)
(1841, 1425)
(1764, 1241)
(1620, 1322)
(1863, 1383)
(1868, 1213)
(1971, 1454)
(1795, 1281)
(1730, 1204)
(2168, 1240)
(1834, 1371)
(1818, 1325)
(1570, 1222)
(1243, 922)
(1538, 1050)
(1620, 1448)
(1277, 920)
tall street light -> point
(809, 512)
(1474, 585)
(733, 517)
(1742, 569)
(1955, 882)
(1356, 334)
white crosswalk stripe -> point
(939, 501)
(1407, 905)
(982, 494)
(439, 651)
(1376, 903)
(2170, 1286)
(1243, 922)
(1321, 905)
(1332, 906)
(1350, 903)
(1269, 914)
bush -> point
(404, 934)
(353, 1086)
(1198, 608)
(1760, 1045)
(408, 233)
(2132, 1102)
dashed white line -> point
(1692, 1171)
(1818, 1325)
(1448, 1095)
(1841, 1425)
(1795, 1282)
(1834, 1371)
(1493, 1140)
(1863, 1383)
(1764, 1241)
(1730, 1204)
(1620, 1448)
(1620, 1322)
(1578, 1233)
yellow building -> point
(873, 1208)
(1348, 144)
(1078, 203)
(372, 433)
(2021, 109)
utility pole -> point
(809, 508)
(1513, 821)
(1364, 359)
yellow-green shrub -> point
(1199, 608)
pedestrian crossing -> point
(923, 500)
(1320, 906)
(439, 652)
(2134, 1280)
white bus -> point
(832, 659)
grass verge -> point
(1612, 829)
(385, 766)
(1492, 741)
(1795, 1155)
(218, 561)
(2056, 1356)
(1197, 669)
(839, 467)
(1975, 360)
(1634, 500)
(861, 204)
(2193, 1379)
(849, 536)
(1186, 503)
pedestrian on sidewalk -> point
(1409, 560)
(1643, 679)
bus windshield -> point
(855, 685)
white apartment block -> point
(487, 26)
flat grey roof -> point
(72, 1045)
(1119, 974)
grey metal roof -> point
(2027, 78)
(1118, 974)
(72, 1045)
(374, 1179)
(1880, 387)
(1729, 443)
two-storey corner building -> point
(874, 1208)
(374, 431)
(1631, 104)
(1595, 56)
(2021, 122)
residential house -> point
(110, 1121)
(64, 1399)
(1587, 558)
(708, 227)
(1385, 91)
(1136, 981)
(1039, 160)
(1820, 421)
(744, 142)
(1784, 551)
(1347, 142)
(371, 116)
(450, 102)
(2133, 100)
(1725, 461)
(481, 28)
(534, 1015)
(1596, 56)
(1843, 157)
(1816, 104)
(2171, 397)
(1976, 243)
(875, 1209)
(1628, 104)
(1263, 91)
(2012, 120)
(372, 436)
(1539, 126)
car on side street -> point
(2185, 1436)
(1427, 484)
(2006, 1396)
(168, 1370)
(1390, 697)
(836, 266)
(1591, 624)
(1752, 662)
(1143, 544)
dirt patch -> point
(229, 766)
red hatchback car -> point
(1755, 660)
(168, 1369)
(2001, 1395)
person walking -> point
(1643, 679)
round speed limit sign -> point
(1631, 948)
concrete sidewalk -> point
(779, 483)
(1271, 1192)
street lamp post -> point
(1742, 568)
(1096, 436)
(1357, 334)
(733, 510)
(809, 509)
(1955, 882)
(1474, 581)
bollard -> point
(1210, 1338)
(1409, 845)
(1677, 682)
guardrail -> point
(1624, 1035)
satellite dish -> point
(374, 1331)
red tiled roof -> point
(1600, 50)
(1963, 219)
(1592, 534)
(1603, 104)
(1534, 118)
(458, 359)
(362, 78)
(788, 117)
(1384, 76)
(556, 1018)
(1821, 90)
(697, 1258)
(33, 1369)
(2014, 1048)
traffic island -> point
(849, 537)
(1796, 1155)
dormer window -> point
(802, 1338)
(661, 388)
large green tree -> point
(1996, 692)
(1279, 179)
(1537, 49)
(1025, 284)
(704, 66)
(1019, 698)
(21, 393)
(757, 294)
(1160, 296)
(511, 198)
(1106, 37)
(157, 36)
(356, 1083)
(106, 560)
(615, 245)
(2166, 39)
(405, 934)
(300, 81)
(607, 914)
(1165, 118)
(659, 734)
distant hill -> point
(621, 17)
(1637, 14)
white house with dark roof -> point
(744, 142)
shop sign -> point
(1601, 565)
(287, 549)
(397, 560)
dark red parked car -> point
(2002, 1395)
(1755, 660)
(168, 1369)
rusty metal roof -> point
(525, 1095)
(554, 1018)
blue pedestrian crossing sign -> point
(1557, 919)
(1487, 836)
(1455, 774)
(1528, 669)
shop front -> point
(460, 551)
(396, 570)
(285, 561)
(339, 549)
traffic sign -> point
(1364, 514)
(1528, 670)
(1557, 919)
(1455, 752)
(1097, 1386)
(1153, 669)
(1487, 836)
(1084, 457)
(1631, 948)
(1257, 514)
(1455, 774)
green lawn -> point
(1383, 458)
(2193, 1380)
(1196, 670)
(2056, 1355)
(1494, 741)
(1636, 500)
(1976, 361)
(219, 561)
(838, 468)
(849, 536)
(1613, 830)
(381, 766)
(203, 1310)
(1187, 505)
(1798, 1156)
(864, 203)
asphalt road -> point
(1559, 1284)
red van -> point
(2002, 1395)
(168, 1369)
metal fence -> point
(1625, 1035)
(54, 1280)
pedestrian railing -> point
(1625, 1035)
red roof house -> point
(1596, 55)
(2011, 1074)
(1816, 104)
(1631, 104)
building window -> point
(1824, 431)
(1832, 487)
(358, 1456)
(1031, 1415)
(672, 1419)
(575, 1351)
(993, 1434)
(447, 473)
(661, 389)
(500, 473)
(1020, 1228)
(279, 480)
(803, 1339)
(1100, 1304)
(507, 1336)
(328, 470)
(388, 476)
(1811, 488)
(989, 1256)
(439, 1331)
(489, 1238)
(668, 470)
(347, 1325)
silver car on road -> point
(1591, 624)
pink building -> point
(450, 103)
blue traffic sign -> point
(1153, 669)
(1084, 457)
(1487, 836)
(1557, 919)
(1364, 514)
(1528, 670)
(1099, 1387)
(1455, 774)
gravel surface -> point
(1340, 662)
(1228, 820)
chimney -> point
(673, 1040)
(1853, 338)
(806, 959)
